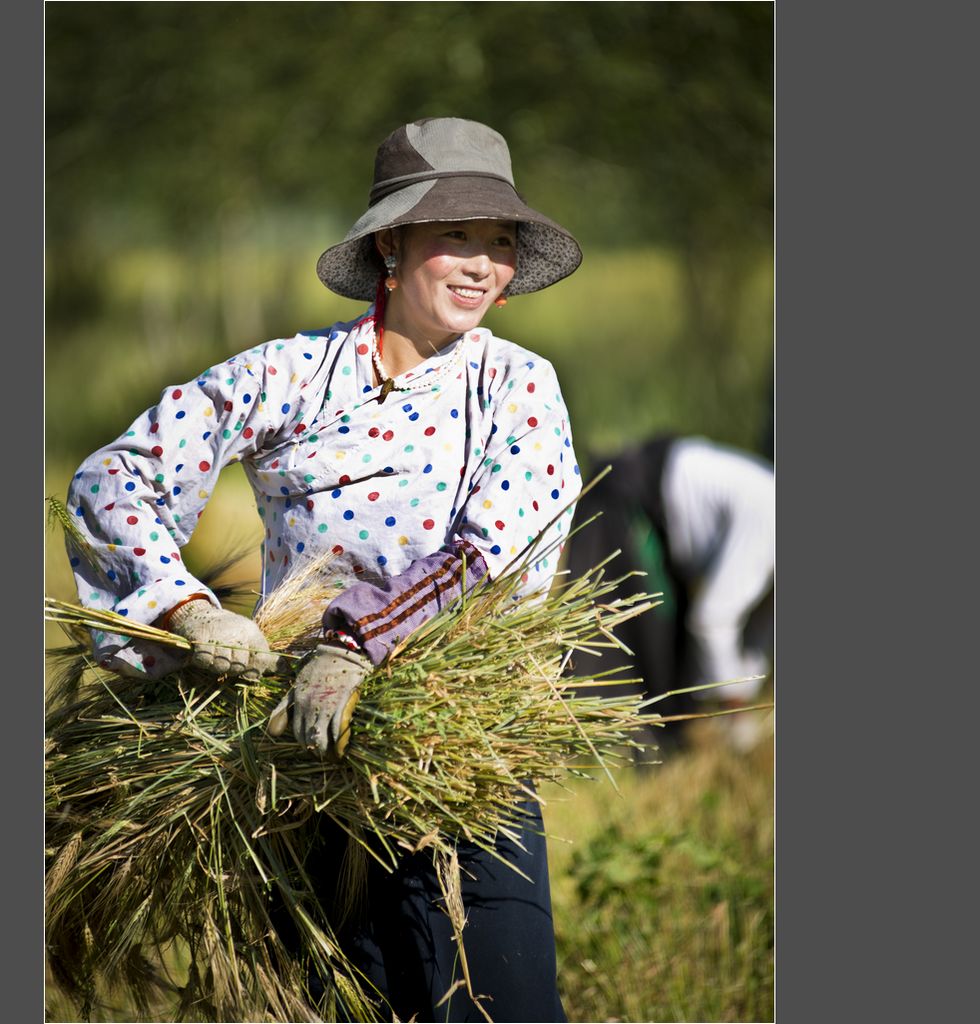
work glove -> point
(322, 700)
(225, 644)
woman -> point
(425, 453)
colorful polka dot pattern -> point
(484, 455)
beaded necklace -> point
(425, 380)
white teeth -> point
(469, 293)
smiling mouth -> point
(466, 293)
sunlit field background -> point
(199, 159)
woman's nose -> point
(478, 264)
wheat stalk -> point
(174, 816)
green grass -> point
(663, 896)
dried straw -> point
(174, 818)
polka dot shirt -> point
(483, 454)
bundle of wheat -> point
(173, 817)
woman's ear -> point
(384, 242)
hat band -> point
(390, 185)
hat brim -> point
(546, 252)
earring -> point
(391, 282)
(500, 300)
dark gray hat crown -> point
(439, 147)
(447, 169)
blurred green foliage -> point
(200, 156)
(663, 898)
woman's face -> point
(449, 273)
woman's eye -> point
(456, 234)
(504, 240)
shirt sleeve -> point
(381, 615)
(521, 498)
(137, 501)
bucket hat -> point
(446, 169)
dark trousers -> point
(405, 942)
(402, 939)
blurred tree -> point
(659, 115)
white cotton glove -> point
(322, 700)
(225, 644)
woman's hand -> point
(322, 700)
(225, 644)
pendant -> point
(387, 386)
